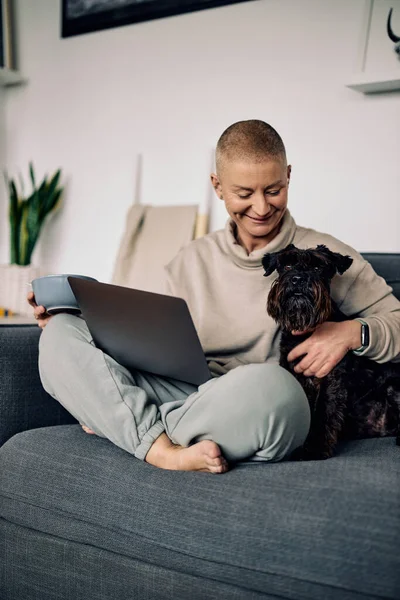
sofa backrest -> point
(388, 267)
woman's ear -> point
(289, 172)
(216, 185)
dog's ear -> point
(343, 263)
(270, 263)
(340, 261)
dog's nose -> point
(295, 278)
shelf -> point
(368, 84)
(17, 320)
(9, 77)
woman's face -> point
(255, 196)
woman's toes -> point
(87, 430)
(217, 465)
(219, 469)
(217, 462)
(214, 462)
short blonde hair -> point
(249, 140)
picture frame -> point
(85, 16)
(7, 54)
(377, 66)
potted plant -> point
(27, 216)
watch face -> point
(364, 335)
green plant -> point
(28, 214)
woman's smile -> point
(260, 219)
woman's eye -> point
(244, 197)
(273, 193)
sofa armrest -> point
(24, 404)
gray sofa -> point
(83, 520)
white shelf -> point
(375, 84)
(17, 320)
(9, 77)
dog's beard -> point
(295, 311)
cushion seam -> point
(171, 549)
(174, 570)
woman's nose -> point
(261, 206)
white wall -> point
(168, 88)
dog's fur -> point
(359, 398)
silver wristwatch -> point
(364, 337)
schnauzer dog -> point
(359, 398)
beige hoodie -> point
(226, 293)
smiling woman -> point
(84, 16)
(252, 178)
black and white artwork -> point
(381, 52)
(1, 37)
(84, 16)
(7, 54)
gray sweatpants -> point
(255, 412)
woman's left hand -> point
(326, 347)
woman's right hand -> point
(39, 312)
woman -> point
(251, 409)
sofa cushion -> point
(295, 530)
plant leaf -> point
(23, 240)
(32, 174)
(47, 196)
(14, 217)
(32, 224)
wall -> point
(166, 89)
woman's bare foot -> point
(87, 430)
(203, 456)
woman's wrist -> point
(354, 334)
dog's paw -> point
(297, 454)
(309, 453)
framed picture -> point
(84, 16)
(7, 54)
(382, 48)
(378, 62)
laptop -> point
(142, 330)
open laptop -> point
(142, 330)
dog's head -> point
(300, 297)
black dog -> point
(359, 398)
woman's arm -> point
(370, 298)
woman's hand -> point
(326, 347)
(39, 312)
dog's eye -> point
(317, 268)
(288, 267)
